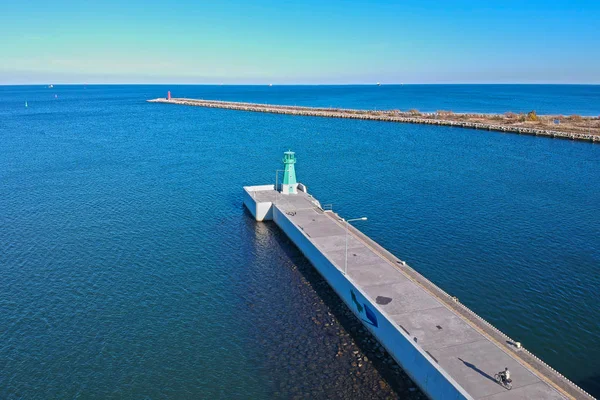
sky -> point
(301, 42)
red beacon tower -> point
(169, 95)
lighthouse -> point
(290, 185)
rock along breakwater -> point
(386, 116)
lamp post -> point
(347, 222)
(277, 171)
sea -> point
(129, 267)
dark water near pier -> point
(130, 268)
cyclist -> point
(505, 376)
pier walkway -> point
(467, 348)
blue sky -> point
(308, 41)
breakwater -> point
(387, 116)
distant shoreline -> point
(572, 127)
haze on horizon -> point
(310, 42)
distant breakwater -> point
(386, 116)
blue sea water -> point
(131, 269)
(544, 99)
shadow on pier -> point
(474, 368)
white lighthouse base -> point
(289, 189)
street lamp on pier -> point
(347, 222)
(277, 171)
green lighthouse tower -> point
(290, 185)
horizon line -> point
(291, 84)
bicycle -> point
(506, 383)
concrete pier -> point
(385, 116)
(448, 351)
